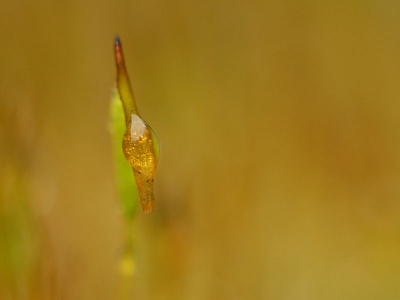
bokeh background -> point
(279, 124)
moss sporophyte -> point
(139, 145)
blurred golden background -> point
(279, 124)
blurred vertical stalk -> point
(127, 263)
(19, 239)
(128, 197)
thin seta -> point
(140, 145)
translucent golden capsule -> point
(140, 144)
(139, 149)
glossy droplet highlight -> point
(140, 148)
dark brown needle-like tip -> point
(118, 52)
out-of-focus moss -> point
(125, 181)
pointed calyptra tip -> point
(118, 51)
(117, 41)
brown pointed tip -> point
(118, 51)
(117, 41)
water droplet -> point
(141, 149)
